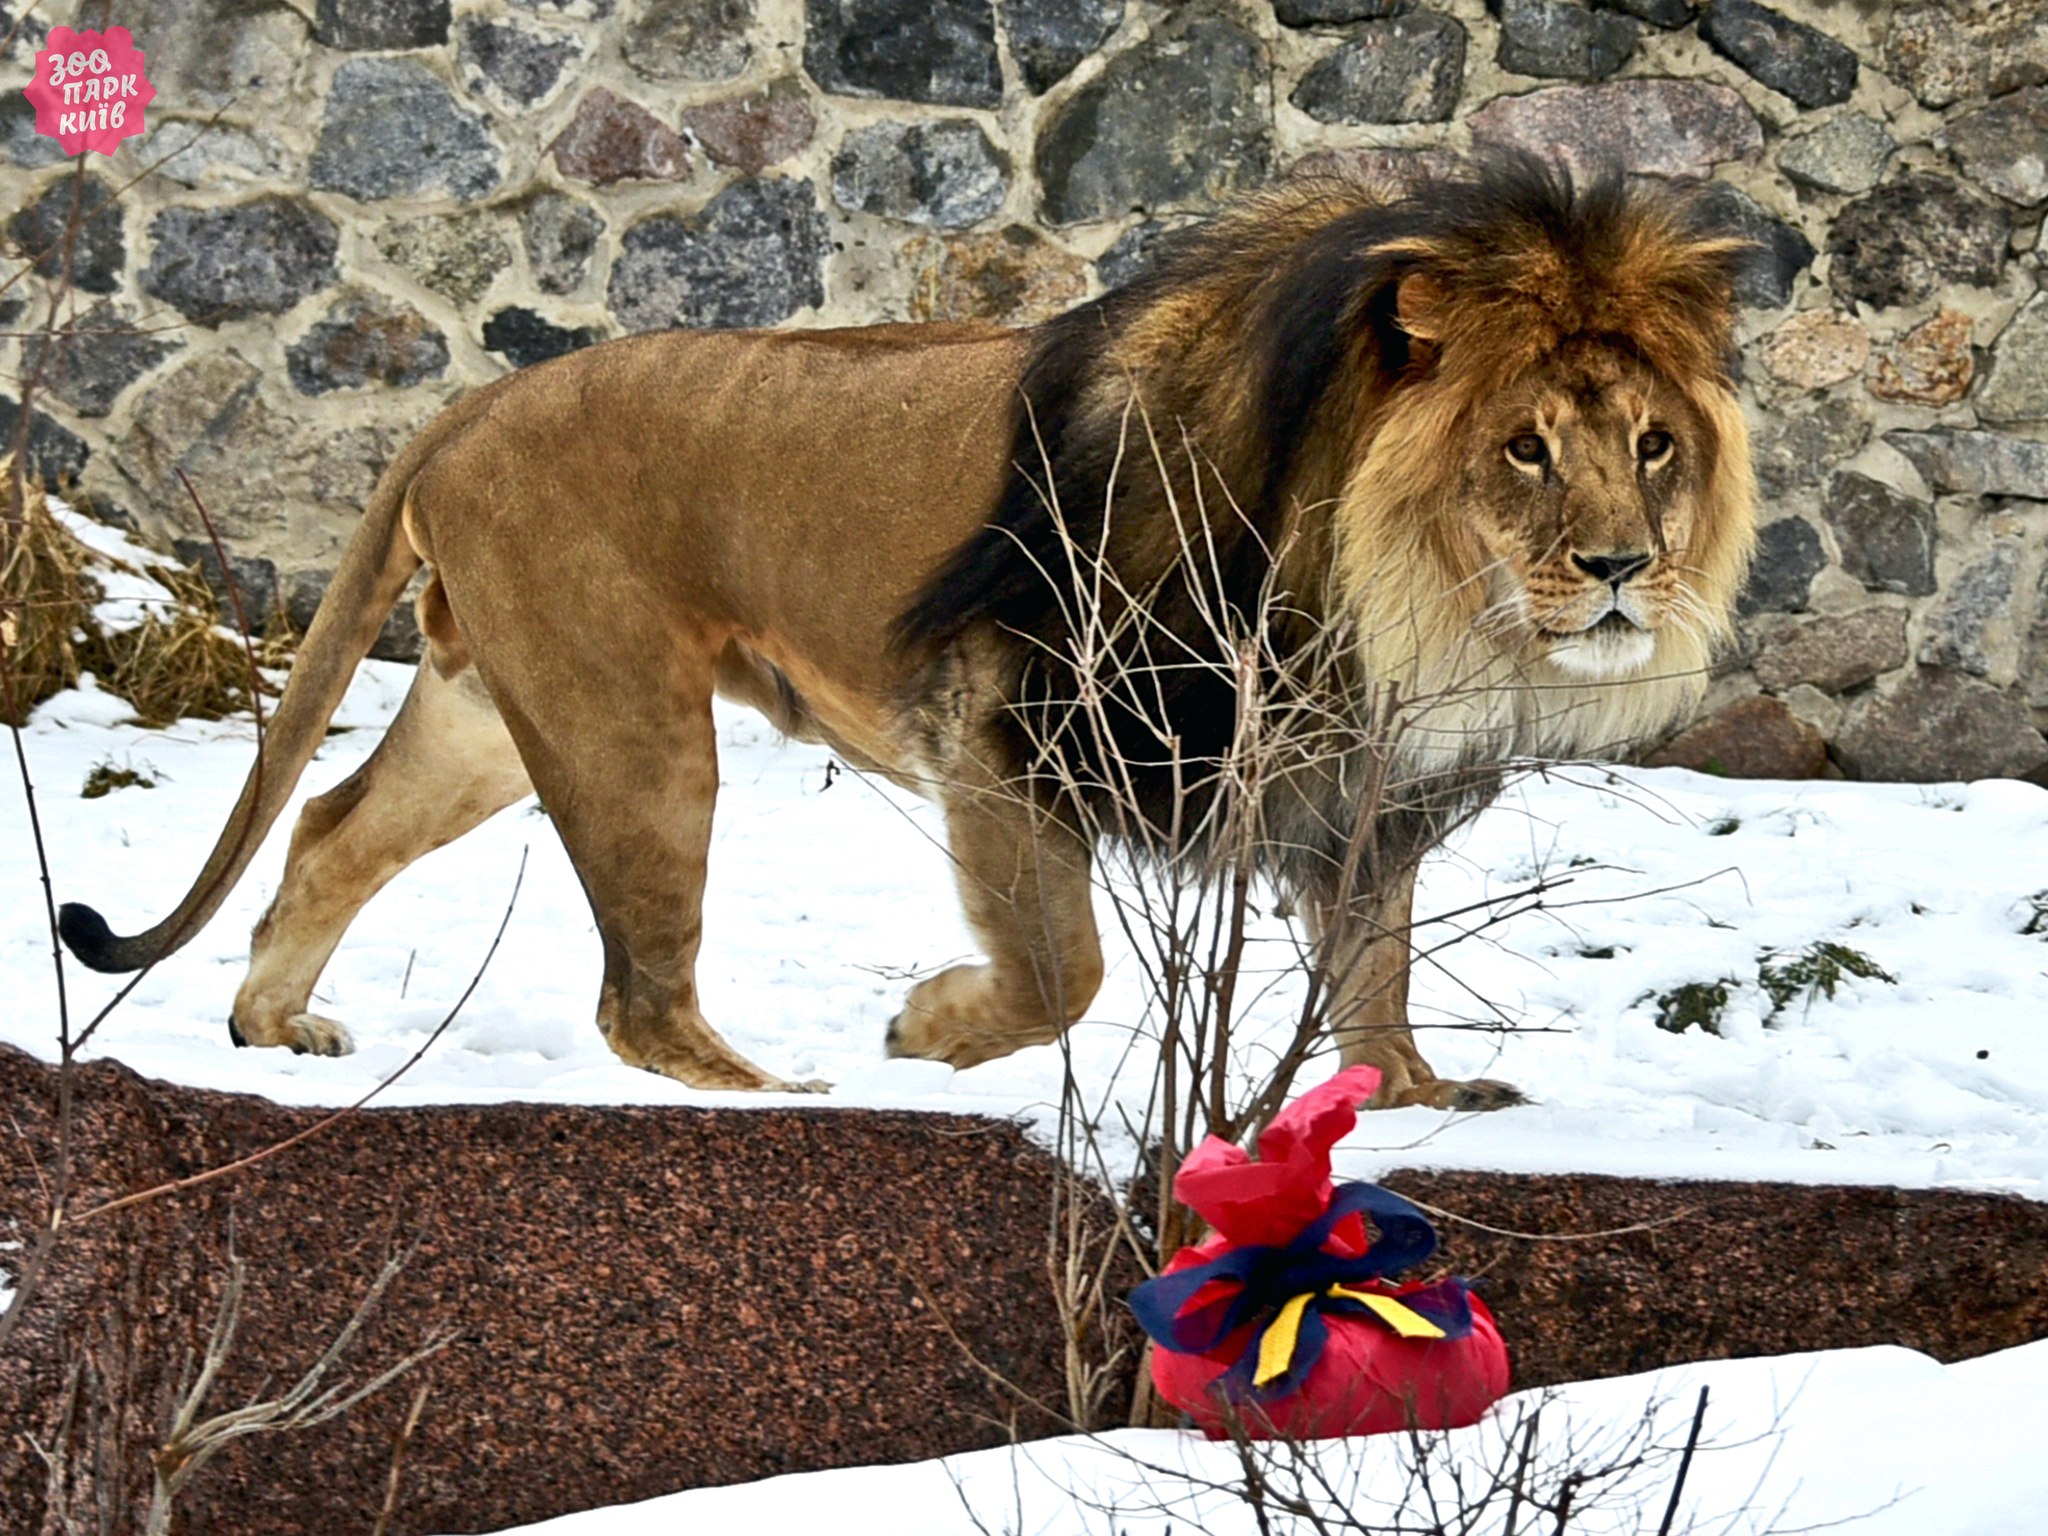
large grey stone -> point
(1975, 612)
(518, 65)
(1886, 537)
(1833, 652)
(56, 454)
(1976, 463)
(98, 355)
(523, 337)
(366, 339)
(560, 234)
(2003, 147)
(2016, 389)
(194, 404)
(752, 257)
(1138, 250)
(1800, 61)
(74, 227)
(254, 258)
(2034, 654)
(937, 51)
(1561, 39)
(1329, 13)
(1401, 171)
(219, 154)
(944, 174)
(393, 129)
(611, 140)
(1049, 37)
(1795, 448)
(207, 54)
(1788, 557)
(1941, 725)
(456, 255)
(243, 590)
(1651, 127)
(1406, 69)
(1847, 153)
(400, 638)
(1765, 273)
(582, 10)
(697, 40)
(1955, 49)
(1668, 14)
(1912, 237)
(19, 140)
(262, 470)
(370, 24)
(756, 130)
(21, 35)
(1179, 122)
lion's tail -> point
(378, 563)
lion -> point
(1484, 430)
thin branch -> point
(1692, 1440)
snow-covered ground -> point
(1874, 1442)
(829, 893)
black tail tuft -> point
(87, 936)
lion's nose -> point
(1614, 569)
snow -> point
(829, 893)
(128, 594)
(1885, 1439)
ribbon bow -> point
(1290, 1249)
(1287, 1289)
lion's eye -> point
(1653, 447)
(1528, 448)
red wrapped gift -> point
(1285, 1323)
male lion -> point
(1485, 431)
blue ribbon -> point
(1269, 1277)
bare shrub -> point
(1321, 796)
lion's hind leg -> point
(624, 754)
(445, 765)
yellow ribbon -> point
(1276, 1345)
(1405, 1321)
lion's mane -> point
(1255, 398)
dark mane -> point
(1244, 349)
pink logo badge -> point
(89, 89)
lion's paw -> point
(310, 1035)
(1483, 1093)
(960, 1018)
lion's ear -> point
(1419, 303)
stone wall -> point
(348, 211)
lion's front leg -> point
(1024, 881)
(1362, 950)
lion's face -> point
(1585, 483)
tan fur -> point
(617, 535)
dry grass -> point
(178, 662)
(45, 603)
